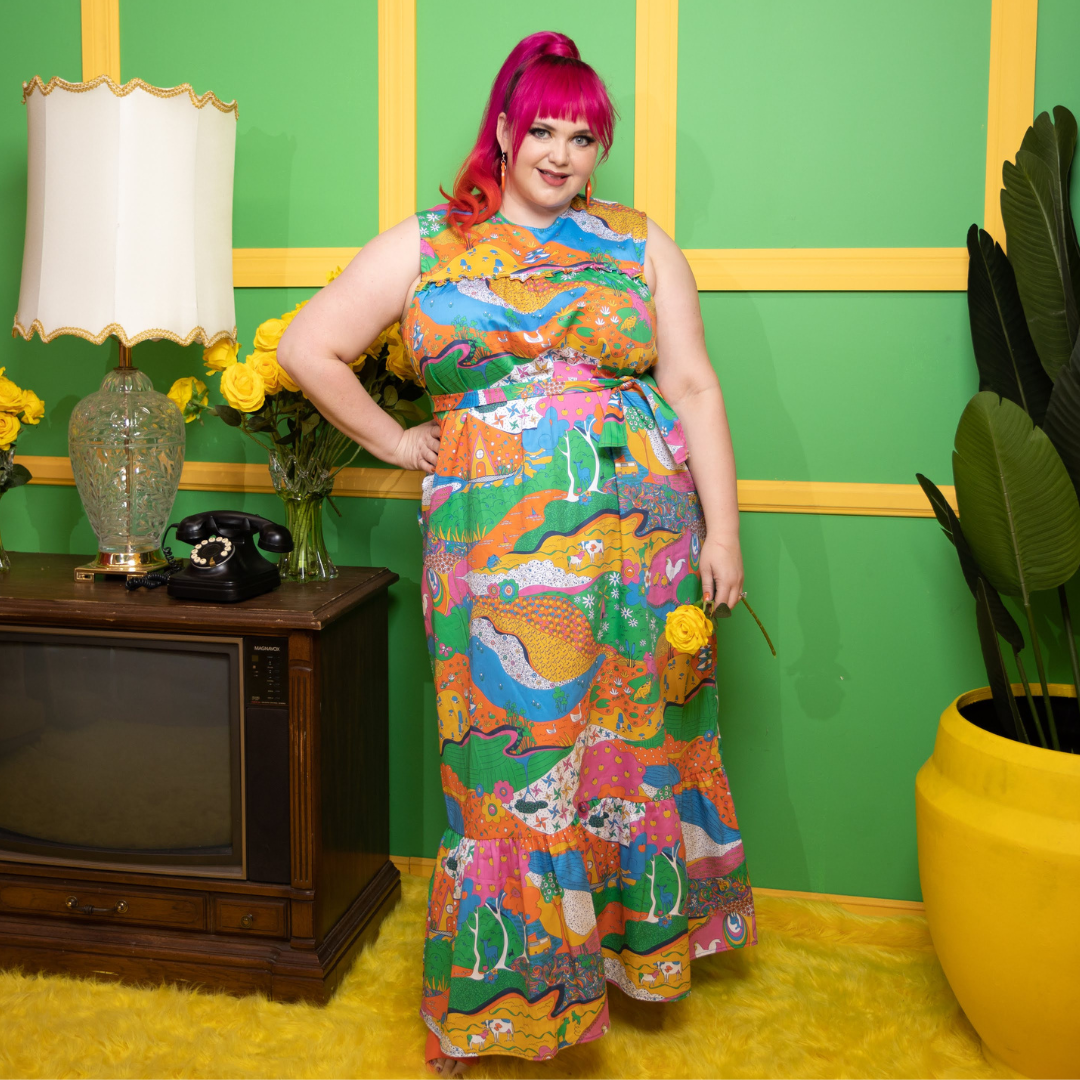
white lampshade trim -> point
(129, 213)
(198, 100)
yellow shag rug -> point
(824, 994)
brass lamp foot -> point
(128, 563)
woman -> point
(580, 485)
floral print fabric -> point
(592, 837)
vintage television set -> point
(193, 792)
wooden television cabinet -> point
(293, 940)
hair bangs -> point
(560, 88)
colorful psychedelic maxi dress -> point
(592, 836)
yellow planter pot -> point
(999, 861)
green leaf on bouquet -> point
(260, 421)
(18, 476)
(228, 414)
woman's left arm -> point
(687, 381)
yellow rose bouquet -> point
(305, 450)
(17, 408)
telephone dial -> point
(223, 564)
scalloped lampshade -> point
(128, 234)
(128, 213)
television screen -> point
(120, 744)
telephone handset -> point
(223, 564)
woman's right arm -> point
(342, 320)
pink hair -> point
(544, 76)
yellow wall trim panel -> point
(827, 497)
(655, 98)
(825, 269)
(397, 111)
(756, 496)
(1013, 30)
(858, 905)
(716, 269)
(280, 268)
(247, 476)
(101, 39)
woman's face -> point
(554, 161)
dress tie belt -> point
(613, 432)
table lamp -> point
(128, 234)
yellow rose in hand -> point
(688, 629)
(33, 408)
(243, 388)
(269, 334)
(189, 396)
(358, 363)
(10, 395)
(265, 363)
(9, 430)
(221, 356)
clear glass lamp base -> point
(126, 443)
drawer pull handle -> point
(247, 921)
(72, 904)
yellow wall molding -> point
(397, 111)
(826, 497)
(859, 905)
(247, 477)
(758, 496)
(279, 268)
(656, 91)
(1013, 30)
(716, 270)
(101, 39)
(823, 269)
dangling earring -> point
(588, 192)
(502, 172)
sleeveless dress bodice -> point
(575, 288)
(591, 833)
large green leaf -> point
(1017, 504)
(1055, 145)
(1006, 356)
(999, 614)
(1062, 421)
(1041, 237)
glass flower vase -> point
(302, 488)
(5, 559)
(7, 466)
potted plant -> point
(998, 803)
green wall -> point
(837, 124)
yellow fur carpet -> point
(824, 994)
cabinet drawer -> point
(109, 904)
(235, 915)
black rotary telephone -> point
(223, 564)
